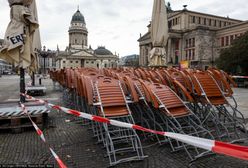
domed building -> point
(78, 54)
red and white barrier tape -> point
(41, 135)
(236, 151)
(242, 77)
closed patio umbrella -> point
(18, 41)
(159, 33)
(36, 42)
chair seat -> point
(115, 111)
(217, 100)
(178, 111)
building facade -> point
(129, 60)
(78, 54)
(195, 37)
(5, 67)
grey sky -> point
(115, 24)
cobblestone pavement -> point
(73, 141)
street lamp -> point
(44, 54)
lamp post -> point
(44, 54)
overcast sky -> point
(115, 24)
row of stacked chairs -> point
(190, 102)
(91, 91)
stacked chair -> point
(212, 99)
(90, 91)
(190, 102)
(111, 103)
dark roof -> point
(78, 17)
(102, 51)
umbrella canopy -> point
(18, 41)
(36, 43)
(159, 32)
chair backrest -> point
(208, 84)
(222, 80)
(163, 95)
(130, 85)
(70, 78)
(110, 92)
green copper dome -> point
(102, 51)
(78, 17)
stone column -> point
(180, 54)
(169, 51)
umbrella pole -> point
(22, 84)
(33, 78)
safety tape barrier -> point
(242, 77)
(41, 135)
(219, 147)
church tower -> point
(78, 33)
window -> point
(71, 61)
(215, 23)
(76, 61)
(92, 62)
(227, 40)
(222, 41)
(231, 39)
(170, 24)
(75, 41)
(177, 45)
(199, 20)
(87, 62)
(224, 23)
(193, 42)
(204, 21)
(187, 43)
(189, 54)
(220, 23)
(193, 54)
(193, 19)
(146, 51)
(210, 22)
(64, 62)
